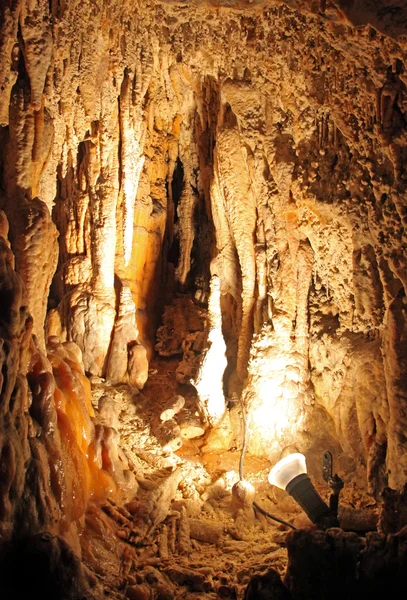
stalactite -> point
(240, 211)
(132, 158)
(186, 211)
(37, 49)
(35, 246)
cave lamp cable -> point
(257, 506)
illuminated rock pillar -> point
(209, 381)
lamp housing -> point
(286, 469)
(290, 474)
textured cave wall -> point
(55, 455)
(255, 157)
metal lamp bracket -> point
(334, 481)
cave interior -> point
(203, 211)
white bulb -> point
(286, 469)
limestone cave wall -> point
(224, 184)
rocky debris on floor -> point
(191, 530)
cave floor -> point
(187, 535)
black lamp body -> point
(304, 493)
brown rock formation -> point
(52, 462)
(203, 198)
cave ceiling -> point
(384, 15)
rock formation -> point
(207, 199)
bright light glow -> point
(275, 395)
(209, 383)
(286, 469)
(274, 415)
(210, 386)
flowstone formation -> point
(207, 201)
(55, 455)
